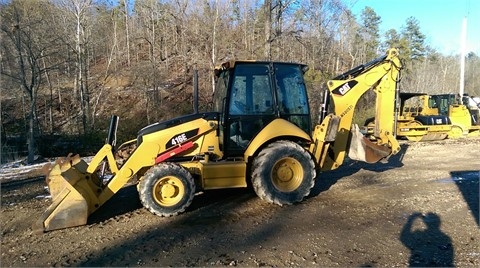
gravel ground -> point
(421, 208)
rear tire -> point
(283, 173)
(166, 189)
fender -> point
(276, 128)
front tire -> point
(166, 189)
(283, 173)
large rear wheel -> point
(166, 189)
(283, 173)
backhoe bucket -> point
(362, 149)
(74, 194)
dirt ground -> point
(421, 208)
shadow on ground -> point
(127, 200)
(429, 246)
(327, 179)
(467, 182)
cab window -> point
(292, 95)
(251, 94)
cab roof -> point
(231, 64)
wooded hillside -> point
(68, 65)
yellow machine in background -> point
(425, 117)
(258, 132)
(465, 119)
(420, 122)
(416, 121)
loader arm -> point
(335, 135)
(77, 190)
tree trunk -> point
(268, 29)
(31, 132)
(127, 37)
(214, 52)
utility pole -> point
(463, 48)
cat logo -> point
(344, 88)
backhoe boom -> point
(381, 76)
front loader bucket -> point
(74, 195)
(362, 149)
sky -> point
(440, 20)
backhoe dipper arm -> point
(336, 135)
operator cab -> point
(249, 95)
(445, 102)
(442, 102)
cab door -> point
(291, 95)
(250, 106)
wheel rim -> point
(168, 191)
(287, 174)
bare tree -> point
(27, 45)
(127, 36)
(268, 29)
(79, 10)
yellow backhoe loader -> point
(258, 132)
